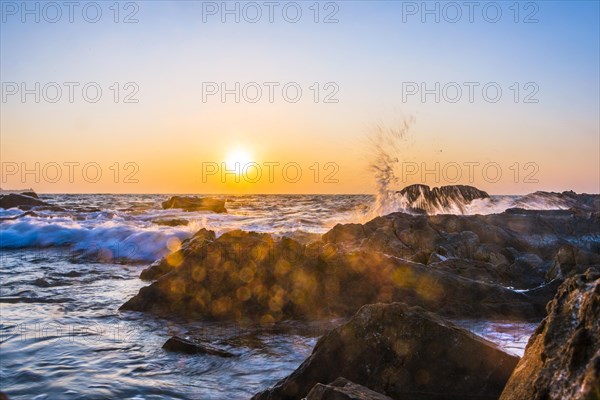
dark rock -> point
(247, 275)
(180, 345)
(571, 260)
(72, 274)
(562, 358)
(435, 258)
(41, 282)
(405, 353)
(25, 214)
(171, 222)
(256, 276)
(30, 194)
(345, 233)
(527, 271)
(195, 204)
(343, 389)
(579, 203)
(471, 269)
(3, 396)
(441, 199)
(176, 259)
(13, 200)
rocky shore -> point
(398, 281)
(400, 277)
(400, 352)
(501, 266)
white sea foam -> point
(107, 240)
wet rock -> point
(247, 275)
(41, 282)
(195, 204)
(472, 260)
(435, 258)
(571, 260)
(345, 233)
(579, 203)
(72, 274)
(190, 249)
(181, 345)
(527, 271)
(25, 214)
(441, 198)
(30, 194)
(343, 389)
(562, 358)
(404, 353)
(22, 201)
(471, 269)
(171, 222)
(3, 396)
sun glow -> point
(237, 159)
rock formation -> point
(404, 353)
(562, 358)
(441, 198)
(195, 204)
(181, 345)
(458, 266)
(23, 201)
(343, 389)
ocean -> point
(65, 272)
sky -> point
(503, 96)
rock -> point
(442, 198)
(252, 276)
(343, 389)
(171, 222)
(471, 269)
(571, 260)
(435, 258)
(527, 271)
(472, 260)
(25, 214)
(176, 259)
(195, 204)
(21, 201)
(562, 358)
(579, 203)
(180, 345)
(30, 194)
(404, 353)
(3, 396)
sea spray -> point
(386, 145)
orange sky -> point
(173, 129)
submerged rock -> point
(195, 204)
(25, 214)
(402, 352)
(562, 358)
(171, 222)
(181, 345)
(343, 389)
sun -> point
(237, 159)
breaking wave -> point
(110, 241)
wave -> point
(108, 241)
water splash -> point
(386, 145)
